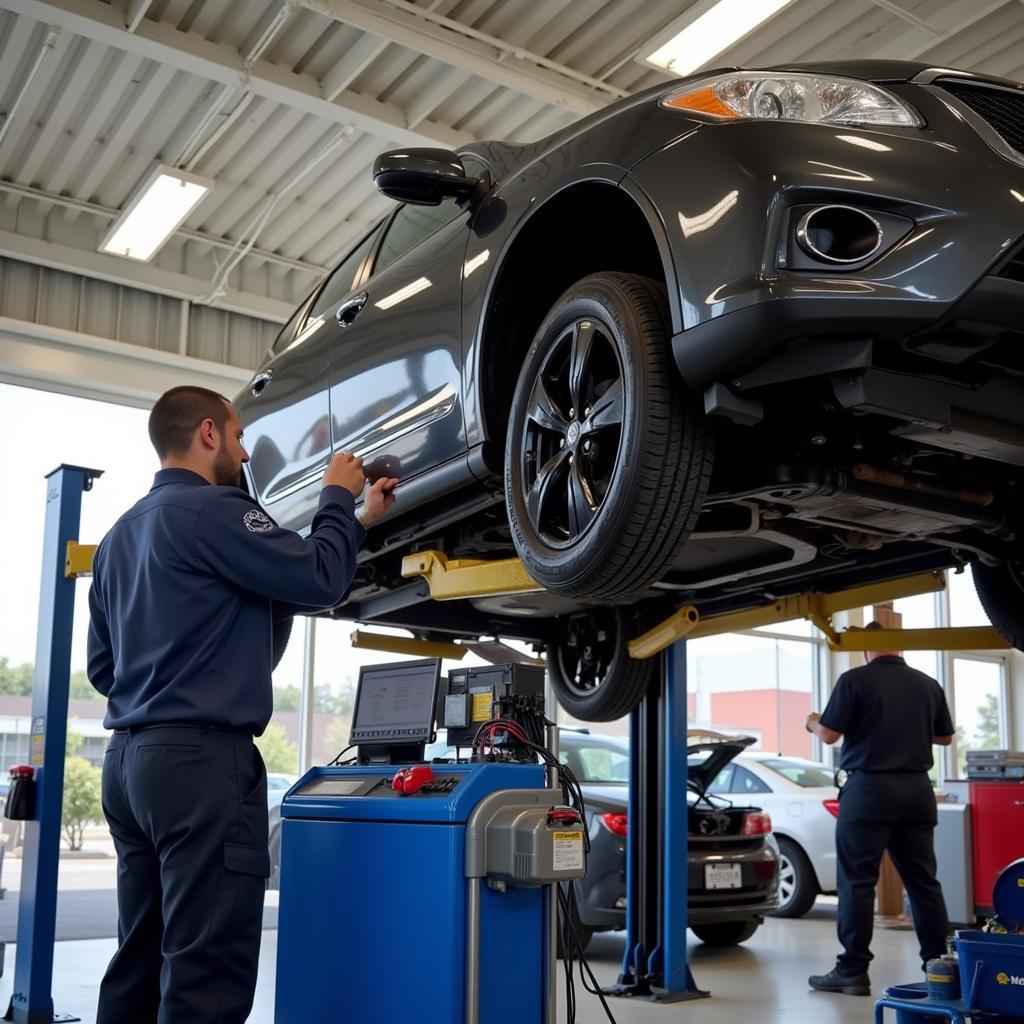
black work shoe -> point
(836, 981)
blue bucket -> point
(915, 990)
(999, 963)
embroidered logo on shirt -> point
(257, 522)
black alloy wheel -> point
(592, 674)
(607, 459)
(573, 427)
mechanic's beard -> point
(225, 472)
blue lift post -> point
(32, 999)
(655, 963)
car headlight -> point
(758, 95)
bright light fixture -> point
(155, 212)
(721, 25)
(406, 292)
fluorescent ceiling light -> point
(155, 212)
(715, 30)
(407, 292)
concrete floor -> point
(764, 980)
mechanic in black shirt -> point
(888, 715)
(185, 588)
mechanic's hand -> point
(346, 470)
(379, 498)
(812, 719)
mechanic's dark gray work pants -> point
(881, 811)
(187, 808)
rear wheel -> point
(798, 886)
(725, 933)
(608, 459)
(1001, 593)
(591, 672)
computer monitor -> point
(395, 708)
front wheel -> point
(725, 933)
(608, 458)
(591, 671)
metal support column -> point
(655, 964)
(32, 1001)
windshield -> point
(803, 773)
(596, 762)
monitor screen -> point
(395, 703)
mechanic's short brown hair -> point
(178, 412)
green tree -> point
(279, 754)
(987, 733)
(82, 689)
(336, 736)
(82, 801)
(15, 680)
(286, 698)
(72, 743)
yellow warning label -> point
(481, 706)
(577, 836)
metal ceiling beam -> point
(73, 260)
(188, 52)
(474, 52)
(136, 12)
(69, 362)
(950, 22)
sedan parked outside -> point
(803, 802)
(733, 859)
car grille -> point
(1003, 109)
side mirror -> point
(423, 177)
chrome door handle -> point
(348, 311)
(260, 381)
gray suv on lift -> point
(744, 335)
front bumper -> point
(725, 192)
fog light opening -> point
(839, 234)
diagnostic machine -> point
(415, 892)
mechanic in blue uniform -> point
(888, 715)
(184, 589)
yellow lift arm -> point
(452, 579)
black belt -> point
(131, 730)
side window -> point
(747, 782)
(284, 337)
(343, 278)
(723, 781)
(414, 224)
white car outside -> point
(802, 800)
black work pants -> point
(187, 809)
(881, 811)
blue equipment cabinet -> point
(374, 910)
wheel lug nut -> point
(586, 446)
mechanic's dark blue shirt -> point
(181, 600)
(888, 714)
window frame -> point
(361, 273)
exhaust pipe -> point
(839, 234)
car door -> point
(286, 406)
(396, 351)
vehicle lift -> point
(655, 962)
